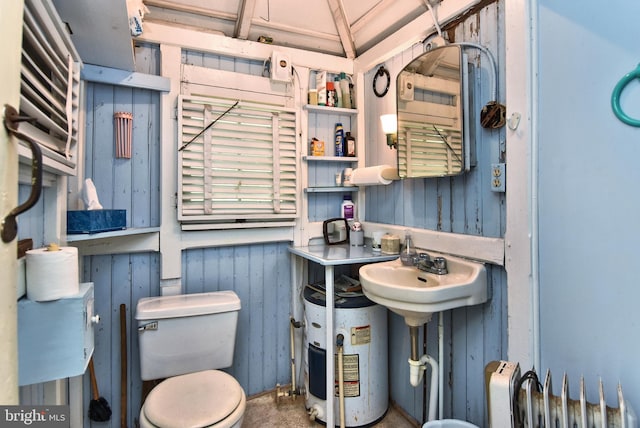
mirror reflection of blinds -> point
(430, 134)
(241, 169)
(429, 148)
(50, 81)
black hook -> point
(11, 122)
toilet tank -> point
(186, 333)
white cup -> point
(376, 240)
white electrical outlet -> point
(281, 70)
(498, 177)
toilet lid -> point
(193, 400)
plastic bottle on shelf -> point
(344, 90)
(339, 140)
(348, 208)
(339, 96)
(331, 94)
(346, 177)
(321, 87)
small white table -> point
(330, 256)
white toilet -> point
(185, 338)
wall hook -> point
(615, 97)
(514, 121)
(9, 226)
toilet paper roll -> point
(381, 174)
(52, 274)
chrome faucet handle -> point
(424, 256)
(440, 263)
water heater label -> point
(351, 373)
(361, 335)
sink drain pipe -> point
(417, 367)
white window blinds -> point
(242, 169)
(50, 82)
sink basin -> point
(415, 294)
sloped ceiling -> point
(338, 27)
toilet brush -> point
(99, 409)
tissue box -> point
(94, 221)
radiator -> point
(522, 401)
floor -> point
(262, 411)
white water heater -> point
(365, 356)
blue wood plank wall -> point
(260, 276)
(462, 204)
(131, 184)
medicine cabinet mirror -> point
(431, 111)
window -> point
(238, 168)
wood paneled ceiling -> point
(339, 27)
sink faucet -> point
(437, 265)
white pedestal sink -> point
(416, 294)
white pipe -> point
(416, 372)
(341, 384)
(492, 65)
(441, 365)
(533, 108)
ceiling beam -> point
(169, 5)
(306, 31)
(342, 25)
(371, 14)
(243, 24)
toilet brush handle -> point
(94, 383)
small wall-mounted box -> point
(94, 221)
(55, 339)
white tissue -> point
(90, 196)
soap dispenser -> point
(408, 250)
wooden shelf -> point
(330, 110)
(331, 189)
(111, 234)
(127, 241)
(346, 159)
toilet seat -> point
(200, 399)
